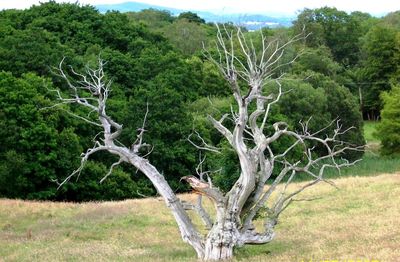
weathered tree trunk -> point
(217, 251)
(220, 241)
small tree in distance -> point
(389, 127)
(249, 135)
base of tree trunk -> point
(220, 242)
(217, 252)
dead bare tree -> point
(247, 71)
(236, 210)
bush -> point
(389, 128)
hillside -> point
(358, 221)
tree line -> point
(155, 61)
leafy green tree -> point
(154, 19)
(389, 127)
(303, 102)
(307, 20)
(191, 17)
(74, 25)
(186, 36)
(340, 104)
(36, 145)
(210, 82)
(392, 19)
(30, 50)
(379, 65)
(335, 29)
(317, 59)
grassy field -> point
(358, 221)
(369, 130)
(372, 163)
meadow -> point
(358, 220)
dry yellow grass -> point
(359, 221)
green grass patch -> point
(369, 131)
(371, 164)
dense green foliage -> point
(155, 59)
(366, 48)
(35, 144)
(144, 68)
(191, 17)
(380, 64)
(337, 30)
(40, 146)
(389, 128)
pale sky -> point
(289, 7)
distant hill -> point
(250, 21)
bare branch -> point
(221, 128)
(79, 117)
(111, 169)
(204, 145)
(138, 144)
(85, 156)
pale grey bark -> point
(236, 210)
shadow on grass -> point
(250, 251)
